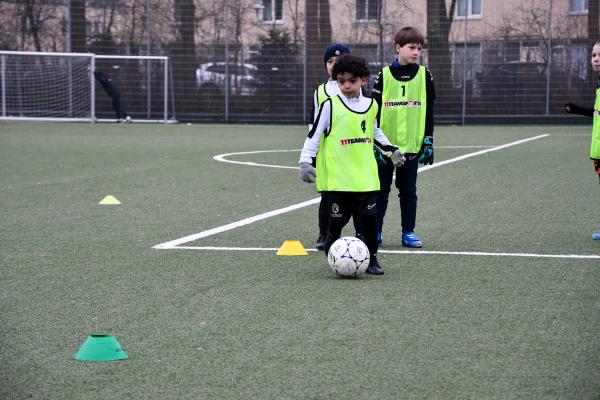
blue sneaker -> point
(596, 235)
(379, 239)
(410, 239)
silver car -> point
(211, 77)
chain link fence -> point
(260, 61)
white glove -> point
(308, 173)
(398, 158)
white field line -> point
(223, 157)
(427, 252)
(246, 221)
(234, 225)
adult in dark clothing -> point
(113, 91)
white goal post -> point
(46, 86)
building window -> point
(468, 8)
(512, 52)
(578, 60)
(367, 10)
(466, 63)
(532, 52)
(578, 6)
(273, 10)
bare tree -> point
(593, 29)
(9, 26)
(183, 53)
(31, 25)
(78, 34)
(439, 24)
(296, 16)
(381, 29)
(318, 37)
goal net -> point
(46, 86)
(62, 87)
(144, 84)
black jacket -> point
(107, 84)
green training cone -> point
(100, 348)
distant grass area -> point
(497, 307)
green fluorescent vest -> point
(403, 108)
(345, 162)
(321, 97)
(595, 148)
(321, 94)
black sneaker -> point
(374, 268)
(321, 242)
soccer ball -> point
(348, 257)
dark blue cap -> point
(334, 50)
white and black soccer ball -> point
(348, 257)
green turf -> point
(207, 324)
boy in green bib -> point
(595, 114)
(404, 92)
(322, 93)
(344, 133)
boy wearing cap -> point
(323, 92)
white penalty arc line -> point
(246, 221)
(427, 252)
(223, 157)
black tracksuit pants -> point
(406, 182)
(343, 205)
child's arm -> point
(312, 141)
(575, 109)
(386, 147)
(315, 109)
(430, 89)
(426, 151)
(376, 93)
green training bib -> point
(345, 162)
(403, 108)
(595, 147)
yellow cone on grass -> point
(109, 200)
(292, 248)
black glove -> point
(379, 157)
(426, 153)
(569, 107)
(597, 167)
(573, 108)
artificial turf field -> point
(502, 303)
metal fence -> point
(260, 61)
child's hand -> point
(398, 158)
(379, 157)
(426, 156)
(308, 173)
(569, 107)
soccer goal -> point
(61, 87)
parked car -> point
(520, 88)
(211, 77)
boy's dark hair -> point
(409, 35)
(355, 65)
